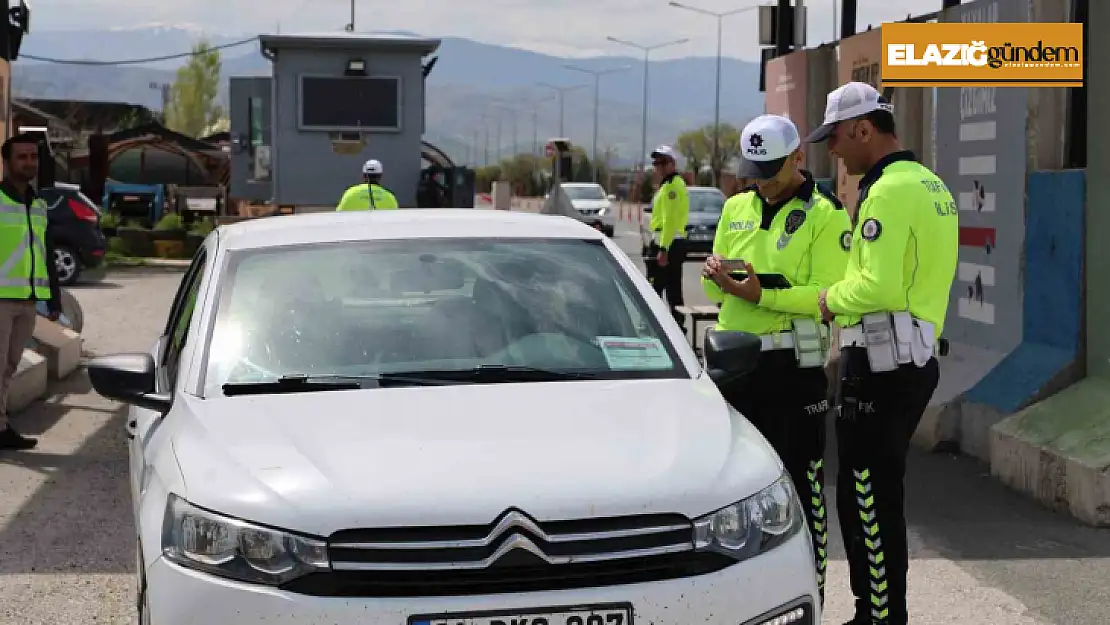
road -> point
(981, 553)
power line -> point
(155, 59)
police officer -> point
(890, 307)
(28, 273)
(783, 224)
(370, 195)
(670, 210)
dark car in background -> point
(74, 222)
(706, 204)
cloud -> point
(563, 27)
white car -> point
(589, 199)
(446, 417)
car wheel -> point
(69, 268)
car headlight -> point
(750, 527)
(205, 541)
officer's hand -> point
(712, 266)
(826, 314)
(661, 258)
(749, 288)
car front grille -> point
(514, 554)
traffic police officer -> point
(669, 214)
(370, 195)
(783, 224)
(890, 307)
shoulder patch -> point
(871, 229)
(830, 196)
(846, 240)
(672, 195)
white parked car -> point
(446, 417)
(589, 199)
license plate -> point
(701, 237)
(602, 615)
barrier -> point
(60, 346)
(991, 385)
(29, 382)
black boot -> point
(12, 440)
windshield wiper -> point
(485, 373)
(296, 383)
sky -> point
(569, 28)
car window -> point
(706, 201)
(50, 196)
(177, 327)
(588, 192)
(369, 308)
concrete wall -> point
(311, 172)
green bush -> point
(170, 222)
(202, 227)
(109, 220)
(118, 247)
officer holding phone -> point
(890, 307)
(778, 244)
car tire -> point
(68, 265)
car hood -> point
(461, 455)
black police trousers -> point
(877, 414)
(789, 405)
(668, 280)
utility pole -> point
(597, 74)
(641, 161)
(559, 91)
(715, 160)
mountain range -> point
(469, 80)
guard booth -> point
(299, 137)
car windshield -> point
(706, 201)
(588, 192)
(371, 309)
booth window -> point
(350, 103)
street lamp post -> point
(559, 91)
(717, 100)
(640, 162)
(597, 74)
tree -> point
(696, 146)
(192, 103)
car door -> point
(142, 424)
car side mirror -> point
(730, 355)
(129, 378)
(611, 197)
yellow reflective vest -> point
(905, 247)
(23, 270)
(364, 197)
(670, 210)
(806, 240)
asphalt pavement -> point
(981, 554)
